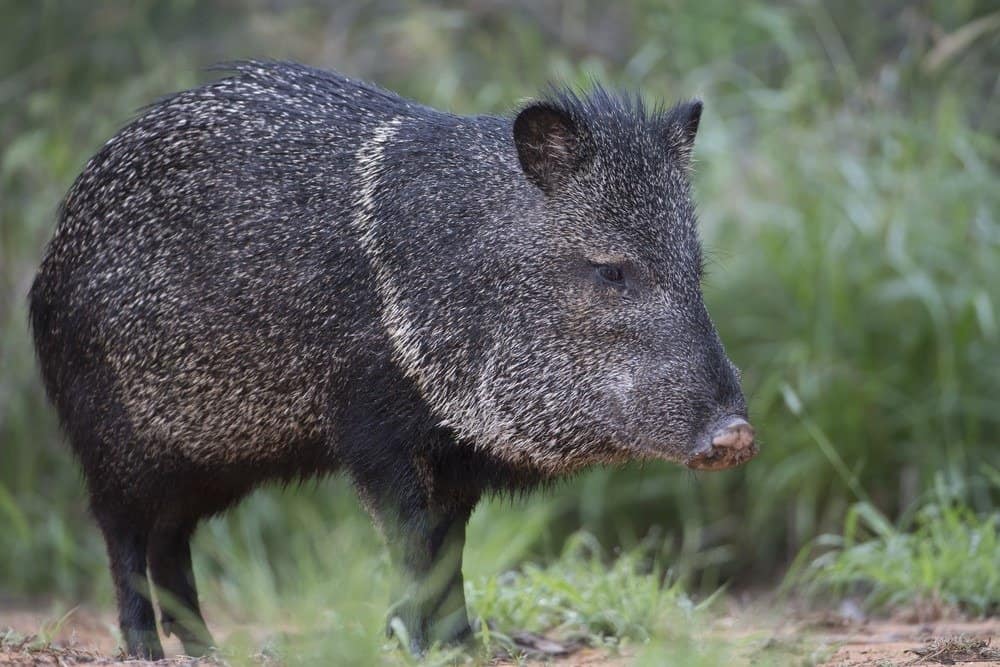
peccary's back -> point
(205, 261)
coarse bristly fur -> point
(287, 272)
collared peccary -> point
(286, 273)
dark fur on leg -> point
(171, 572)
(127, 553)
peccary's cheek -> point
(590, 370)
(552, 401)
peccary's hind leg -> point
(171, 572)
(127, 552)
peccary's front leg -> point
(429, 597)
(426, 537)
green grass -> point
(942, 558)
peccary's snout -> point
(726, 443)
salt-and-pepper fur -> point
(287, 272)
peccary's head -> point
(594, 343)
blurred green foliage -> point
(847, 185)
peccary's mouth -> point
(731, 444)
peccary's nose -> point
(731, 443)
(736, 434)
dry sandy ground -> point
(86, 637)
(885, 643)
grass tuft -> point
(942, 560)
(580, 596)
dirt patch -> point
(888, 643)
(87, 636)
(81, 636)
(893, 643)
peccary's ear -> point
(682, 126)
(547, 143)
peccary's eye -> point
(611, 274)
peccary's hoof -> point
(730, 444)
(410, 637)
(143, 645)
(419, 635)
